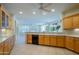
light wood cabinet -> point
(60, 41)
(53, 41)
(76, 46)
(46, 38)
(71, 22)
(6, 47)
(41, 39)
(29, 38)
(69, 43)
(1, 48)
(76, 21)
(11, 42)
(68, 23)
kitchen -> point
(47, 28)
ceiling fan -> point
(43, 7)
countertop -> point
(56, 34)
(4, 36)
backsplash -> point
(71, 32)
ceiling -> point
(27, 8)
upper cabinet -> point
(6, 21)
(76, 21)
(67, 23)
(71, 22)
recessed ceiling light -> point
(53, 10)
(34, 12)
(20, 12)
(44, 13)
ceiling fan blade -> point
(46, 10)
(41, 6)
(49, 4)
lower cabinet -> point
(1, 48)
(53, 41)
(29, 38)
(7, 45)
(41, 40)
(69, 43)
(46, 39)
(60, 41)
(13, 41)
(76, 46)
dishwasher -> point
(35, 39)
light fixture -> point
(53, 10)
(20, 12)
(34, 12)
(44, 13)
(3, 30)
(76, 29)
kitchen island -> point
(62, 40)
(7, 41)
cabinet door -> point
(60, 41)
(29, 38)
(76, 21)
(53, 40)
(41, 39)
(11, 42)
(76, 45)
(69, 43)
(13, 39)
(46, 39)
(67, 23)
(6, 47)
(1, 48)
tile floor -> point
(30, 49)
